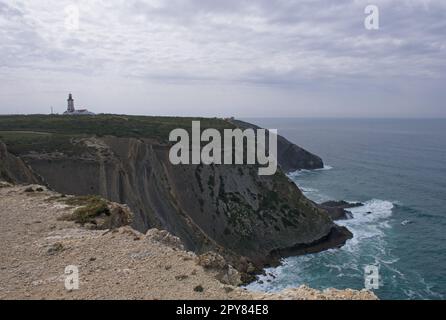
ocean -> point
(397, 168)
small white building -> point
(71, 111)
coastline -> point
(253, 221)
(116, 263)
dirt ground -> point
(36, 247)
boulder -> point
(119, 216)
(164, 237)
(212, 260)
(226, 273)
(229, 276)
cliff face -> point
(229, 206)
(290, 156)
(229, 209)
(14, 170)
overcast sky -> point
(282, 58)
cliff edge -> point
(40, 239)
(290, 156)
(251, 220)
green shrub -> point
(91, 208)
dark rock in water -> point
(342, 204)
(335, 239)
(290, 156)
(336, 209)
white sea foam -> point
(308, 190)
(305, 171)
(368, 246)
(336, 267)
(368, 226)
(368, 223)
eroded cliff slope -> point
(13, 169)
(230, 209)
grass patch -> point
(91, 207)
(21, 142)
(23, 134)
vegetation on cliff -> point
(42, 133)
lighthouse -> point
(71, 111)
(70, 100)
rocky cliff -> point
(290, 156)
(14, 170)
(229, 209)
(38, 243)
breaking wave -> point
(343, 268)
(331, 268)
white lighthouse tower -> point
(70, 100)
(72, 111)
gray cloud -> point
(226, 57)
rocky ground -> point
(38, 243)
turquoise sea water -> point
(398, 169)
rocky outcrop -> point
(336, 238)
(164, 237)
(290, 156)
(226, 273)
(118, 216)
(14, 170)
(337, 209)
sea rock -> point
(337, 237)
(337, 209)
